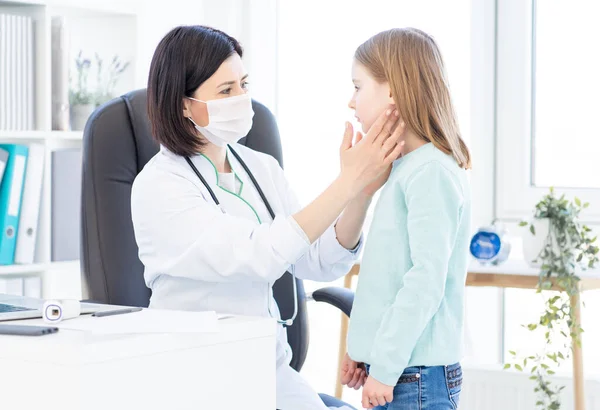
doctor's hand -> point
(376, 394)
(376, 185)
(353, 373)
(368, 160)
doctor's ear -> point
(186, 108)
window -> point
(546, 104)
(547, 88)
(566, 86)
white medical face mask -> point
(229, 119)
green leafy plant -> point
(569, 247)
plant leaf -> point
(532, 229)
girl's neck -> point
(412, 142)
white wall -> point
(155, 20)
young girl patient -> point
(405, 335)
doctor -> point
(216, 223)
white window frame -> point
(516, 195)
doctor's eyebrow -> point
(232, 82)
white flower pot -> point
(80, 114)
(534, 244)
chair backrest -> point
(117, 143)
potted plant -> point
(107, 78)
(537, 232)
(85, 97)
(565, 247)
(81, 96)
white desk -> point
(231, 369)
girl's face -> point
(370, 98)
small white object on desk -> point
(55, 311)
(147, 321)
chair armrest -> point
(341, 298)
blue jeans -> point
(427, 388)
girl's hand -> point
(353, 373)
(376, 394)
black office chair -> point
(117, 143)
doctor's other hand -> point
(353, 373)
(363, 162)
(376, 394)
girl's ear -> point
(390, 97)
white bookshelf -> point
(40, 136)
(36, 268)
(108, 27)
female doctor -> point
(216, 223)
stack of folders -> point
(16, 73)
(21, 178)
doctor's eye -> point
(356, 88)
(226, 91)
(245, 85)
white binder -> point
(30, 207)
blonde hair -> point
(411, 62)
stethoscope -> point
(287, 322)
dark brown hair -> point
(184, 59)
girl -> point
(407, 319)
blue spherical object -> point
(485, 245)
(491, 244)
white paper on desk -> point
(146, 321)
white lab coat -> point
(197, 257)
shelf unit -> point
(106, 27)
(36, 268)
(40, 136)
